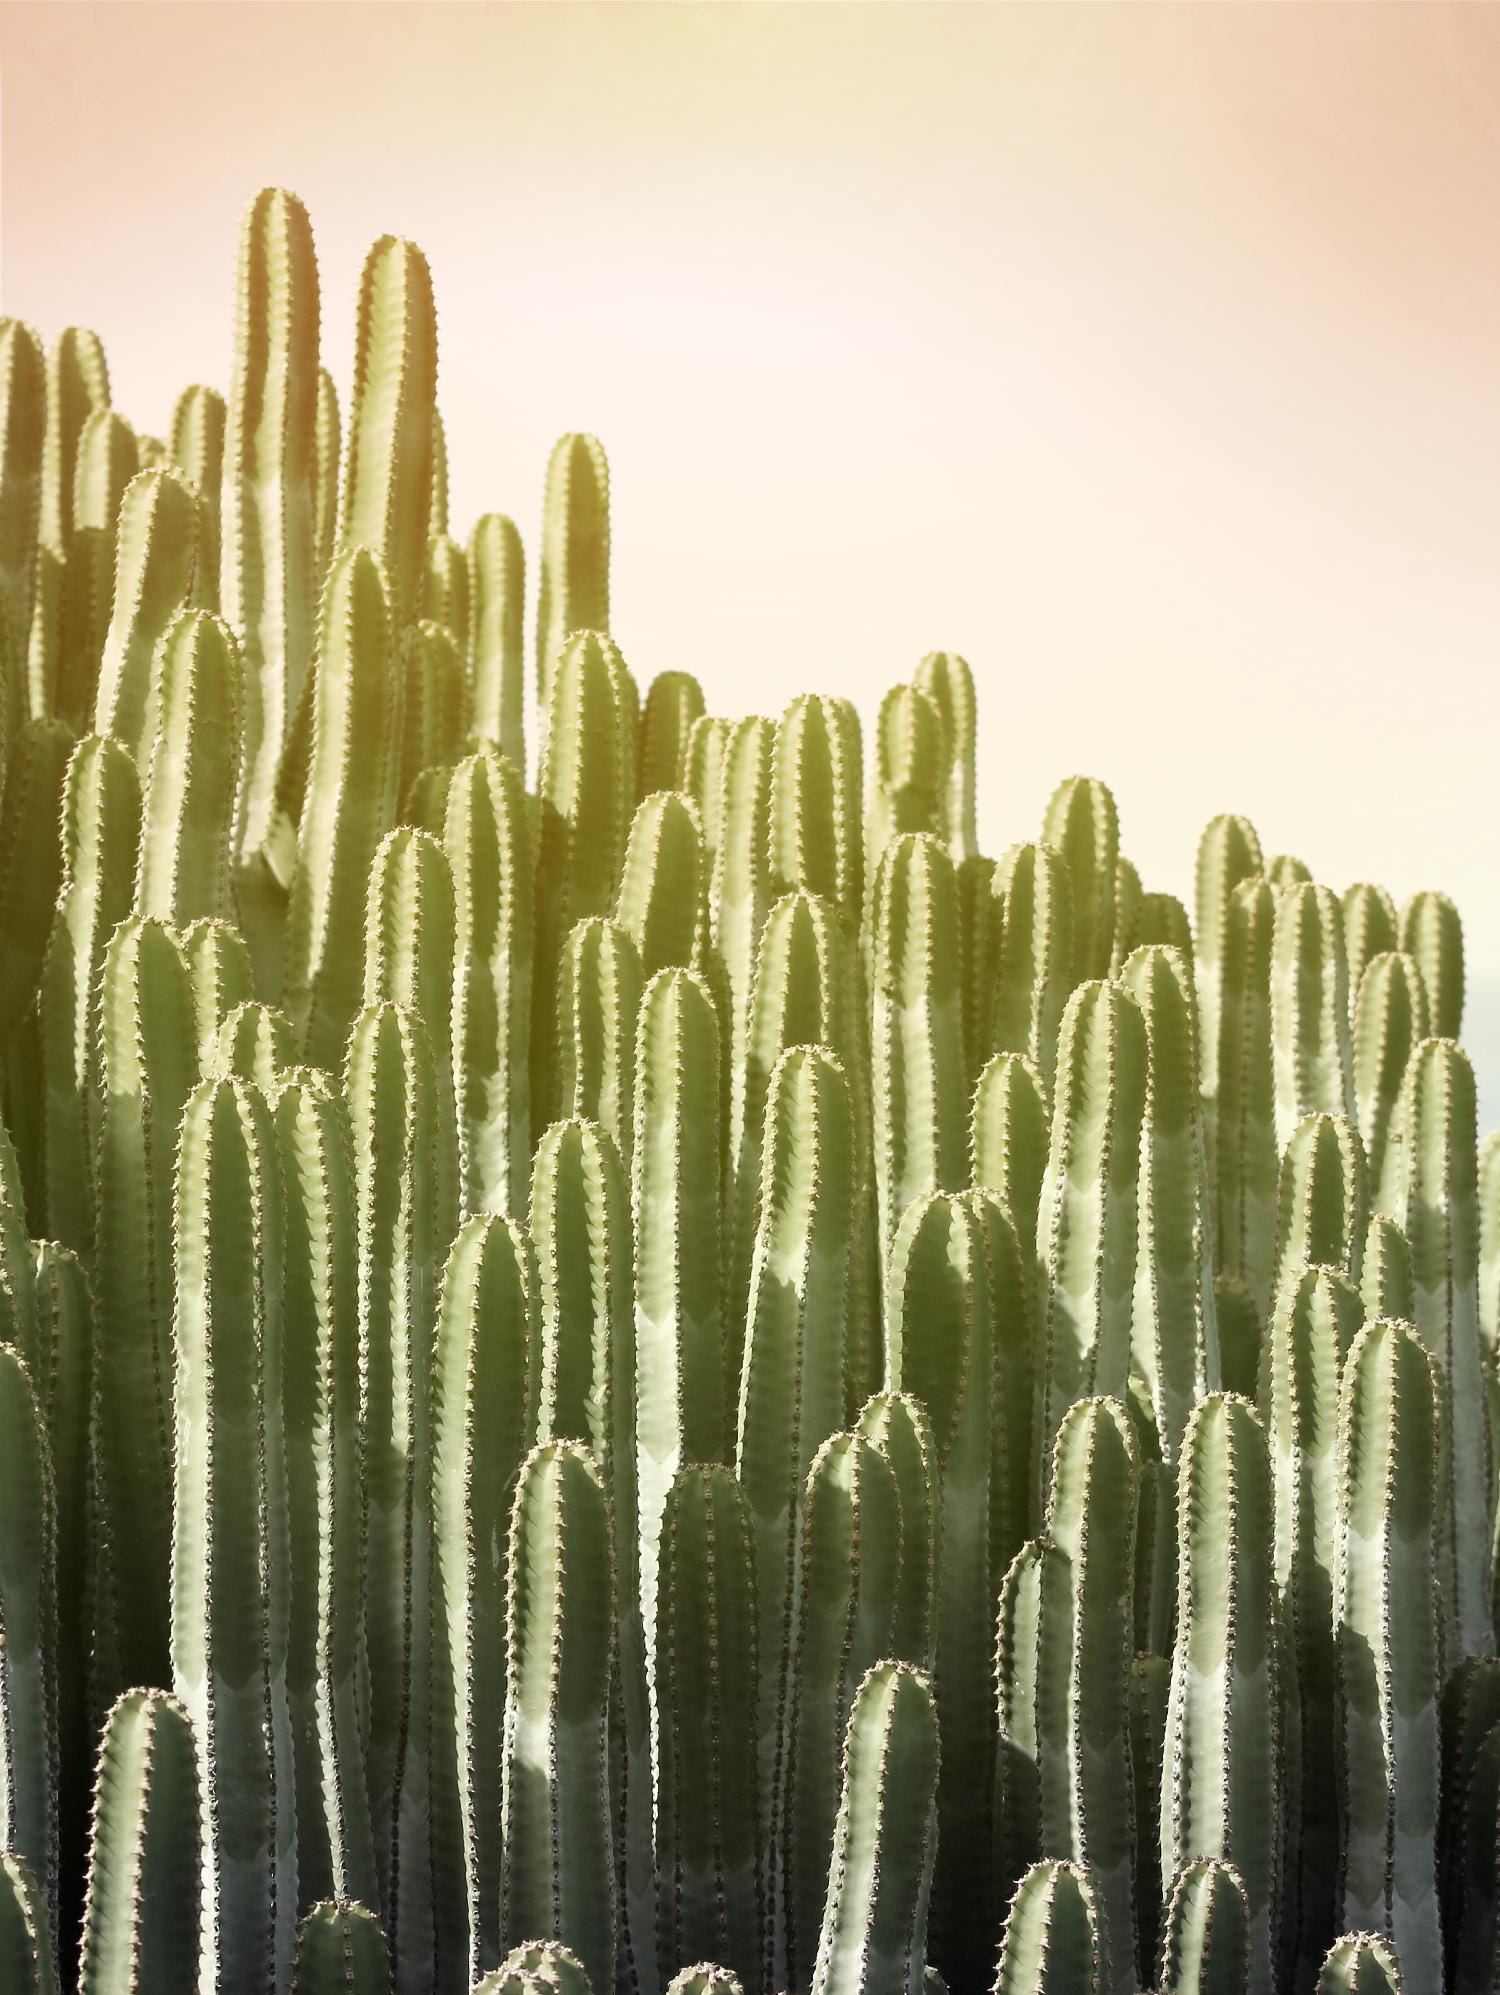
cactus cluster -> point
(626, 1367)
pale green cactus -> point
(1173, 1332)
(445, 588)
(1163, 919)
(77, 387)
(497, 665)
(674, 701)
(341, 1951)
(1310, 1035)
(196, 449)
(541, 1969)
(1246, 1152)
(1323, 1198)
(1010, 1266)
(1228, 852)
(573, 594)
(939, 1344)
(1370, 929)
(1316, 1317)
(599, 986)
(1086, 1222)
(327, 442)
(1036, 955)
(343, 821)
(254, 1043)
(140, 1921)
(661, 903)
(681, 1398)
(410, 925)
(795, 1000)
(588, 762)
(847, 1595)
(1220, 1794)
(28, 1613)
(482, 1397)
(917, 1071)
(1010, 1132)
(1389, 1669)
(1361, 1964)
(1385, 1276)
(1429, 1187)
(230, 1547)
(1127, 915)
(949, 683)
(434, 701)
(320, 1411)
(388, 462)
(31, 860)
(1206, 1945)
(703, 754)
(733, 794)
(908, 779)
(1284, 871)
(557, 1878)
(1051, 1941)
(1432, 932)
(404, 1219)
(874, 1937)
(23, 424)
(704, 1978)
(101, 819)
(897, 1423)
(219, 976)
(148, 1042)
(817, 840)
(981, 918)
(157, 559)
(1079, 1669)
(191, 773)
(1390, 1018)
(791, 1392)
(1082, 826)
(269, 565)
(1488, 1182)
(486, 837)
(437, 507)
(28, 1961)
(63, 668)
(708, 1807)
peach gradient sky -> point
(1149, 355)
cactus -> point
(735, 813)
(1429, 1186)
(140, 1924)
(320, 1410)
(1086, 1223)
(1051, 1942)
(1228, 853)
(1315, 1319)
(557, 1877)
(27, 1958)
(353, 728)
(846, 1601)
(23, 422)
(873, 1940)
(815, 837)
(340, 1951)
(482, 1398)
(599, 987)
(1387, 1740)
(708, 1828)
(410, 924)
(1246, 1149)
(1361, 1964)
(196, 449)
(1390, 1017)
(1010, 1136)
(184, 869)
(574, 588)
(1206, 1948)
(948, 682)
(674, 701)
(434, 701)
(910, 773)
(981, 915)
(445, 585)
(545, 1969)
(28, 1614)
(1310, 1038)
(1322, 1199)
(917, 1070)
(1220, 1785)
(1173, 1334)
(230, 1550)
(1036, 954)
(77, 387)
(1432, 933)
(31, 860)
(1488, 1183)
(897, 1424)
(1370, 928)
(497, 673)
(663, 878)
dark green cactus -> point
(1361, 1964)
(27, 1957)
(341, 1951)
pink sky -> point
(1149, 355)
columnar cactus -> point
(1036, 954)
(1309, 1008)
(574, 588)
(341, 1951)
(1246, 1149)
(1206, 1945)
(1051, 1942)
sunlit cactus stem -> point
(574, 588)
(1051, 1941)
(1206, 1944)
(341, 1951)
(497, 670)
(28, 1962)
